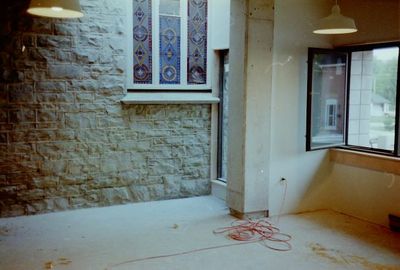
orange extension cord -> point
(257, 231)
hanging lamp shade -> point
(56, 8)
(335, 23)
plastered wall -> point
(305, 172)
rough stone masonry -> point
(66, 141)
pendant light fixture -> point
(335, 23)
(56, 8)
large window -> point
(169, 45)
(353, 98)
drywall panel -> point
(305, 172)
(220, 15)
(366, 194)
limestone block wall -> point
(66, 141)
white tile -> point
(355, 97)
(356, 56)
(367, 67)
(353, 139)
(355, 82)
(354, 112)
(356, 67)
(364, 127)
(364, 140)
(366, 97)
(354, 127)
(365, 111)
(367, 82)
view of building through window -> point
(328, 98)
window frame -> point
(155, 85)
(311, 52)
(349, 50)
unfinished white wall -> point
(220, 16)
(367, 194)
(306, 172)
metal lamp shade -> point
(335, 23)
(56, 8)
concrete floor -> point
(112, 237)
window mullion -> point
(184, 40)
(397, 117)
(156, 42)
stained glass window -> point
(142, 37)
(197, 42)
(178, 59)
(170, 42)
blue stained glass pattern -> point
(170, 49)
(197, 42)
(142, 42)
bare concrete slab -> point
(119, 237)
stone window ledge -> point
(169, 98)
(366, 160)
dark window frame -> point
(349, 50)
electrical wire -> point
(261, 231)
(175, 254)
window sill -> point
(366, 160)
(218, 189)
(169, 98)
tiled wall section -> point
(65, 139)
(360, 98)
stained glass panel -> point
(197, 42)
(170, 53)
(142, 42)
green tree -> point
(385, 76)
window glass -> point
(169, 45)
(372, 104)
(223, 118)
(170, 7)
(170, 42)
(327, 97)
(142, 45)
(197, 42)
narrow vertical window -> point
(223, 117)
(142, 42)
(170, 40)
(197, 42)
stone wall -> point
(66, 141)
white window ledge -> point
(169, 98)
(218, 189)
